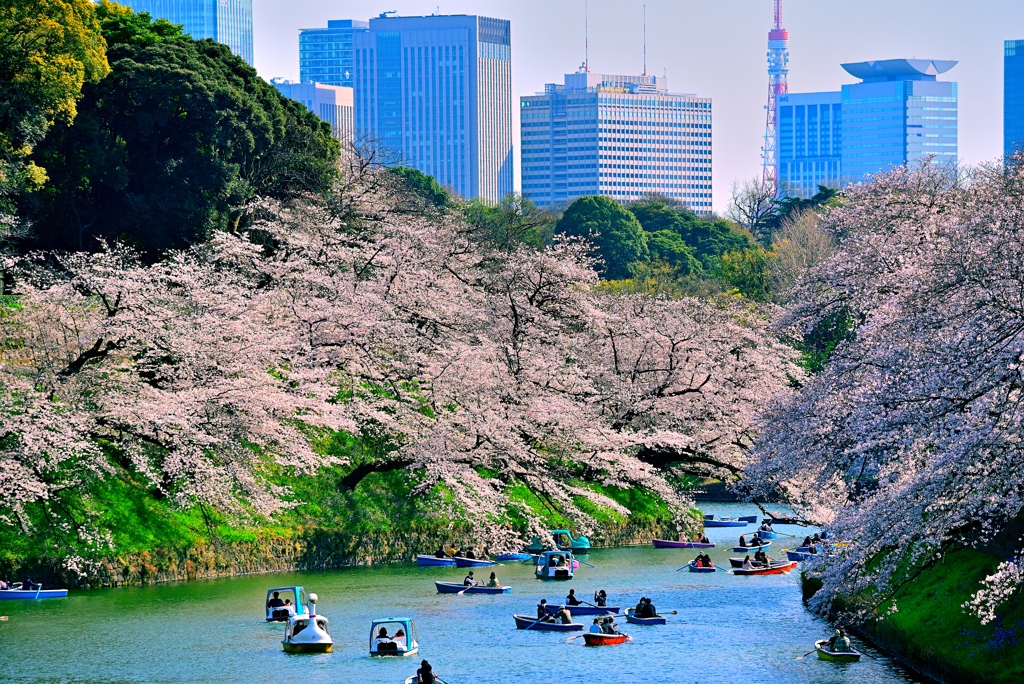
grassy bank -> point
(931, 631)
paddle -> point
(468, 586)
(4, 618)
(806, 654)
(39, 588)
(535, 622)
(578, 636)
(585, 563)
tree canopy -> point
(618, 237)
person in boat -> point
(4, 585)
(600, 599)
(596, 627)
(469, 580)
(816, 539)
(839, 643)
(703, 539)
(276, 601)
(564, 616)
(440, 552)
(470, 554)
(544, 613)
(425, 675)
(382, 638)
(28, 584)
(760, 556)
(640, 605)
(648, 611)
(571, 599)
(493, 582)
(399, 639)
(743, 540)
(747, 565)
(707, 561)
(807, 542)
(289, 607)
(608, 626)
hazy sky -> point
(713, 49)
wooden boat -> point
(738, 562)
(668, 544)
(800, 553)
(554, 565)
(392, 645)
(513, 556)
(454, 588)
(427, 561)
(835, 656)
(297, 605)
(632, 619)
(565, 541)
(472, 562)
(776, 568)
(17, 593)
(590, 610)
(767, 535)
(710, 521)
(748, 518)
(528, 622)
(692, 565)
(595, 639)
(308, 633)
(780, 519)
(750, 549)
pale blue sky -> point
(713, 49)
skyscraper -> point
(333, 104)
(438, 90)
(225, 21)
(325, 54)
(899, 113)
(809, 148)
(1013, 96)
(619, 136)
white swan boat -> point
(308, 633)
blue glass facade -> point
(1013, 96)
(225, 21)
(325, 54)
(809, 144)
(618, 136)
(438, 91)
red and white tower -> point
(778, 70)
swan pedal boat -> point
(692, 565)
(776, 568)
(309, 633)
(668, 544)
(428, 561)
(595, 639)
(589, 610)
(455, 588)
(835, 656)
(16, 593)
(529, 622)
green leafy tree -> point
(513, 221)
(669, 247)
(618, 236)
(173, 143)
(423, 186)
(747, 271)
(705, 240)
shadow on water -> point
(728, 629)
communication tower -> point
(778, 69)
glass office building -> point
(1013, 96)
(333, 104)
(899, 113)
(325, 54)
(618, 136)
(438, 91)
(809, 141)
(225, 21)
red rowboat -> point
(776, 568)
(594, 639)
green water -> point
(728, 628)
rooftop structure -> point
(325, 54)
(899, 70)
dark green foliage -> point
(794, 206)
(669, 247)
(122, 26)
(171, 144)
(620, 240)
(423, 186)
(513, 221)
(818, 344)
(705, 240)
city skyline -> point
(722, 56)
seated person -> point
(493, 583)
(600, 599)
(4, 585)
(760, 556)
(699, 560)
(640, 605)
(425, 675)
(399, 639)
(440, 552)
(470, 554)
(571, 599)
(276, 601)
(564, 616)
(469, 581)
(382, 638)
(544, 614)
(743, 541)
(28, 585)
(807, 542)
(596, 627)
(649, 610)
(608, 627)
(289, 607)
(704, 539)
(816, 538)
(747, 565)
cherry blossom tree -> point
(908, 444)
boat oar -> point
(532, 624)
(578, 636)
(807, 654)
(468, 586)
(3, 618)
(39, 588)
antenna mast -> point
(586, 35)
(778, 71)
(645, 39)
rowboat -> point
(528, 622)
(513, 556)
(692, 565)
(748, 518)
(40, 593)
(308, 633)
(427, 561)
(472, 562)
(750, 549)
(645, 620)
(738, 562)
(393, 638)
(780, 519)
(776, 568)
(835, 656)
(709, 521)
(767, 535)
(591, 610)
(667, 544)
(414, 679)
(801, 553)
(453, 588)
(595, 639)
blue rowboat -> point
(692, 565)
(767, 535)
(645, 621)
(529, 622)
(725, 522)
(588, 610)
(427, 561)
(472, 562)
(513, 556)
(15, 594)
(750, 549)
(748, 518)
(453, 588)
(800, 554)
